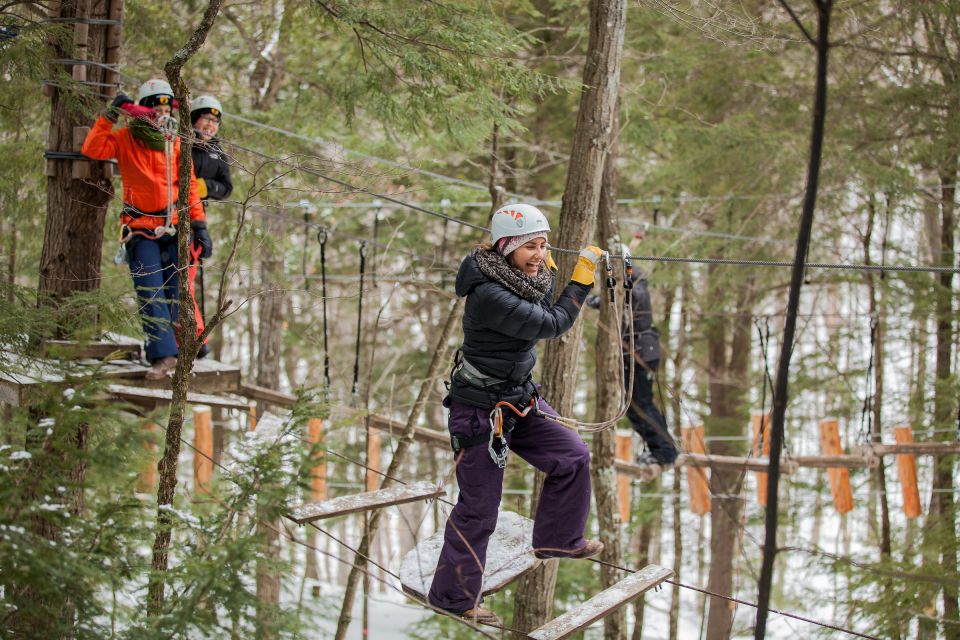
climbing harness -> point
(356, 359)
(168, 127)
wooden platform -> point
(602, 604)
(355, 503)
(509, 556)
(21, 375)
(111, 346)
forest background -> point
(442, 105)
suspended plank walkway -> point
(509, 556)
(356, 503)
(151, 397)
(602, 604)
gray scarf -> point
(495, 266)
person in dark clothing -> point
(213, 178)
(509, 289)
(645, 418)
(209, 162)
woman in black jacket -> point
(213, 180)
(509, 289)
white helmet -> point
(205, 104)
(154, 87)
(517, 219)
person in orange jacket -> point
(149, 236)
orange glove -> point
(202, 187)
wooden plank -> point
(839, 476)
(373, 461)
(202, 450)
(760, 424)
(133, 393)
(828, 462)
(395, 428)
(729, 462)
(509, 557)
(128, 349)
(208, 376)
(697, 482)
(268, 395)
(907, 467)
(318, 475)
(148, 475)
(624, 442)
(918, 449)
(355, 503)
(602, 604)
(643, 472)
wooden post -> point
(761, 447)
(697, 476)
(252, 409)
(839, 476)
(203, 449)
(623, 452)
(148, 476)
(318, 477)
(907, 466)
(373, 460)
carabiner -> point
(499, 457)
(611, 280)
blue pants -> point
(561, 512)
(644, 416)
(153, 265)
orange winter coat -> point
(142, 171)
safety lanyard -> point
(356, 357)
(322, 238)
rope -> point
(356, 357)
(866, 415)
(322, 239)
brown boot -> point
(482, 616)
(588, 550)
(162, 368)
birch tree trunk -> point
(578, 214)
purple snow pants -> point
(561, 514)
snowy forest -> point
(781, 174)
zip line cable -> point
(717, 261)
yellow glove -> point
(550, 263)
(202, 187)
(586, 265)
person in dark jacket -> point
(210, 164)
(509, 288)
(213, 178)
(645, 418)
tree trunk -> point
(78, 193)
(610, 392)
(592, 139)
(728, 365)
(186, 329)
(268, 375)
(940, 540)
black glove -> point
(199, 236)
(113, 111)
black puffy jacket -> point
(501, 331)
(210, 163)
